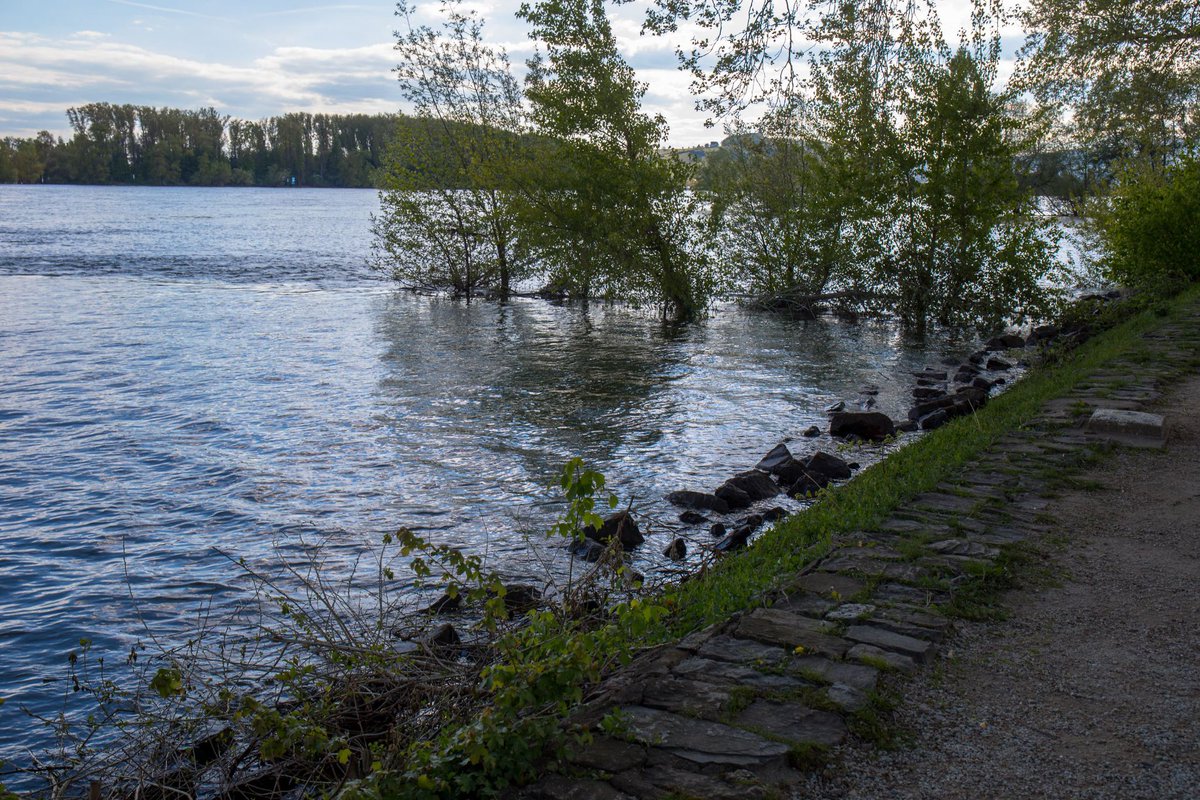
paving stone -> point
(741, 651)
(963, 547)
(849, 673)
(1135, 428)
(725, 672)
(560, 787)
(848, 612)
(828, 584)
(806, 603)
(914, 595)
(667, 781)
(908, 628)
(870, 654)
(876, 568)
(777, 627)
(793, 721)
(692, 697)
(695, 640)
(916, 649)
(847, 698)
(945, 502)
(608, 754)
(701, 742)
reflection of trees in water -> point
(538, 381)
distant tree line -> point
(143, 145)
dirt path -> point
(1091, 688)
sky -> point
(258, 58)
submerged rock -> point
(693, 518)
(691, 499)
(445, 604)
(620, 525)
(588, 550)
(812, 431)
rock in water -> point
(755, 483)
(812, 431)
(442, 637)
(690, 499)
(620, 525)
(520, 597)
(778, 456)
(445, 604)
(587, 549)
(870, 425)
(692, 518)
(676, 550)
(733, 496)
(829, 465)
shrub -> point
(1151, 227)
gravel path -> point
(1091, 688)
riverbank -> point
(798, 658)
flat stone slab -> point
(1136, 428)
(700, 741)
(794, 721)
(725, 672)
(772, 626)
(914, 648)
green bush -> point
(1151, 228)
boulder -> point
(733, 496)
(753, 522)
(755, 483)
(1005, 341)
(828, 465)
(997, 364)
(833, 408)
(1042, 333)
(977, 358)
(907, 426)
(935, 420)
(445, 604)
(778, 455)
(774, 513)
(620, 525)
(734, 541)
(690, 499)
(676, 550)
(692, 518)
(931, 374)
(718, 529)
(969, 399)
(864, 424)
(929, 382)
(982, 383)
(442, 637)
(812, 431)
(928, 392)
(808, 484)
(520, 597)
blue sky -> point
(256, 58)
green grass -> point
(745, 580)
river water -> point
(193, 376)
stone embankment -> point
(744, 707)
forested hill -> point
(143, 145)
